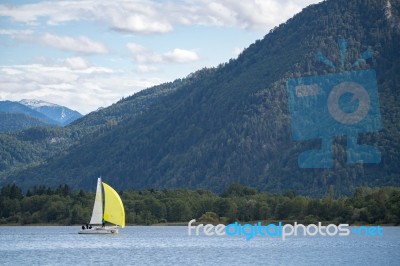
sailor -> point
(83, 227)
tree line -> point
(63, 206)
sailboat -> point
(113, 212)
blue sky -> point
(87, 54)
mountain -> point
(130, 106)
(17, 121)
(18, 108)
(60, 114)
(46, 113)
(232, 123)
(34, 146)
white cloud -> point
(136, 48)
(13, 32)
(56, 11)
(140, 24)
(80, 89)
(76, 63)
(147, 17)
(10, 71)
(180, 56)
(94, 70)
(81, 44)
(137, 16)
(146, 69)
(250, 14)
(142, 55)
(237, 51)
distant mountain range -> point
(230, 123)
(34, 113)
(36, 145)
(60, 114)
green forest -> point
(62, 206)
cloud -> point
(146, 69)
(143, 55)
(237, 51)
(81, 44)
(76, 63)
(136, 48)
(180, 56)
(81, 65)
(55, 12)
(250, 14)
(150, 17)
(68, 83)
(13, 32)
(10, 71)
(139, 16)
(140, 24)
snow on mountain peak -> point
(37, 103)
(63, 114)
(59, 114)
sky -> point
(86, 54)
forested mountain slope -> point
(232, 123)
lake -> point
(171, 245)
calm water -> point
(59, 245)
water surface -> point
(171, 245)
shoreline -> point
(197, 223)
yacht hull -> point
(100, 230)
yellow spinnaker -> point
(113, 207)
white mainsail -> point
(97, 214)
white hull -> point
(100, 230)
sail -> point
(113, 209)
(97, 214)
